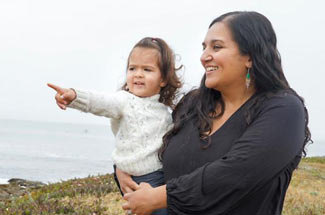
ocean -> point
(51, 152)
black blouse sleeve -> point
(267, 146)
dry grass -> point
(99, 195)
(109, 204)
(306, 193)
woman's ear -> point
(249, 62)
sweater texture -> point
(137, 123)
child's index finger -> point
(56, 88)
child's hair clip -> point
(154, 40)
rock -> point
(4, 194)
(17, 187)
(25, 183)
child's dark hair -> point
(166, 64)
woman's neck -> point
(235, 97)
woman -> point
(237, 139)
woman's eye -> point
(216, 47)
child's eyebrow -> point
(144, 65)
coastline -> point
(54, 152)
(100, 195)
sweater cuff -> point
(81, 102)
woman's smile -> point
(211, 69)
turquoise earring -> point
(248, 79)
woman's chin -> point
(211, 85)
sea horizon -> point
(51, 152)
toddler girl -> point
(139, 112)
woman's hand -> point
(146, 199)
(63, 96)
(126, 183)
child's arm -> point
(102, 104)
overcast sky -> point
(85, 44)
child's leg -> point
(155, 179)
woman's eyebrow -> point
(216, 40)
(212, 41)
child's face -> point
(143, 75)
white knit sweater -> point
(137, 123)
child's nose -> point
(139, 73)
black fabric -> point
(246, 169)
(116, 180)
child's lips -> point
(139, 83)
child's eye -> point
(131, 68)
(147, 70)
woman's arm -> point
(146, 199)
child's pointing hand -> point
(63, 96)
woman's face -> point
(225, 67)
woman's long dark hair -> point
(256, 38)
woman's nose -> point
(205, 57)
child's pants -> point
(155, 179)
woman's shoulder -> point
(284, 99)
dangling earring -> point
(248, 79)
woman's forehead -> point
(218, 32)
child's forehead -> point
(144, 51)
(144, 54)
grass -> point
(98, 195)
(306, 193)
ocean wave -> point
(72, 157)
(4, 181)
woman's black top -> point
(245, 170)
